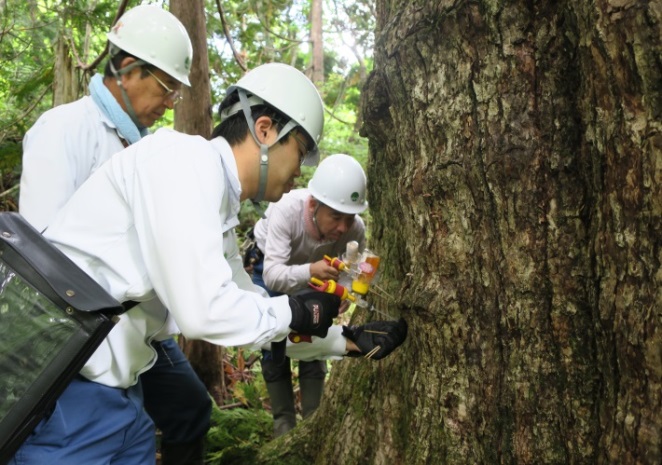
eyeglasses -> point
(304, 148)
(174, 96)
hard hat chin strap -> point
(125, 97)
(319, 231)
(264, 148)
(245, 103)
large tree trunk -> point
(516, 192)
(193, 116)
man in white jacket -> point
(150, 59)
(155, 224)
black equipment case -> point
(53, 316)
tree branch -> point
(102, 55)
(27, 111)
(9, 191)
(266, 28)
(332, 115)
(226, 31)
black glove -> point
(376, 339)
(313, 312)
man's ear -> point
(312, 203)
(123, 64)
(126, 62)
(262, 127)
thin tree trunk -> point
(193, 116)
(65, 75)
(316, 25)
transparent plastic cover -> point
(32, 328)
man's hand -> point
(322, 270)
(313, 312)
(376, 339)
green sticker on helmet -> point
(355, 196)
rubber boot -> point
(185, 453)
(311, 394)
(282, 406)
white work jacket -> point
(155, 224)
(60, 151)
(289, 250)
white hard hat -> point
(157, 37)
(340, 183)
(289, 91)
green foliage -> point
(250, 392)
(236, 435)
(29, 32)
(243, 380)
(263, 31)
(241, 425)
(340, 137)
(10, 162)
(10, 156)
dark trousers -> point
(274, 371)
(174, 396)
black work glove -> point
(313, 312)
(376, 339)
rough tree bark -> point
(191, 118)
(516, 192)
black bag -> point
(53, 316)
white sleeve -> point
(331, 347)
(277, 275)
